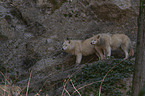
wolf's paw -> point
(77, 65)
(108, 57)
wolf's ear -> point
(98, 37)
(69, 41)
(67, 38)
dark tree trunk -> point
(139, 74)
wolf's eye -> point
(65, 45)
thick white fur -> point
(110, 42)
(79, 48)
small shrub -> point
(96, 72)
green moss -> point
(53, 2)
(3, 70)
(3, 37)
(56, 5)
(58, 67)
(65, 15)
(28, 62)
(95, 72)
(8, 18)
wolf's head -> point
(95, 40)
(68, 45)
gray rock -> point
(32, 33)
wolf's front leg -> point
(99, 52)
(108, 51)
(78, 58)
(98, 55)
(126, 54)
(104, 51)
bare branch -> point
(106, 75)
(28, 84)
(5, 78)
(75, 88)
(87, 85)
(69, 76)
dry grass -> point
(77, 89)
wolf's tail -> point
(131, 52)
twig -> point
(16, 77)
(64, 84)
(81, 67)
(5, 78)
(42, 87)
(87, 85)
(106, 75)
(37, 94)
(22, 90)
(28, 84)
(4, 89)
(75, 88)
(67, 92)
(65, 88)
(72, 75)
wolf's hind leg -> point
(108, 51)
(125, 49)
(126, 54)
(78, 58)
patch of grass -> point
(3, 37)
(28, 62)
(96, 72)
(2, 69)
(56, 5)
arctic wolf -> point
(110, 42)
(79, 48)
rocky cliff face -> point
(32, 32)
